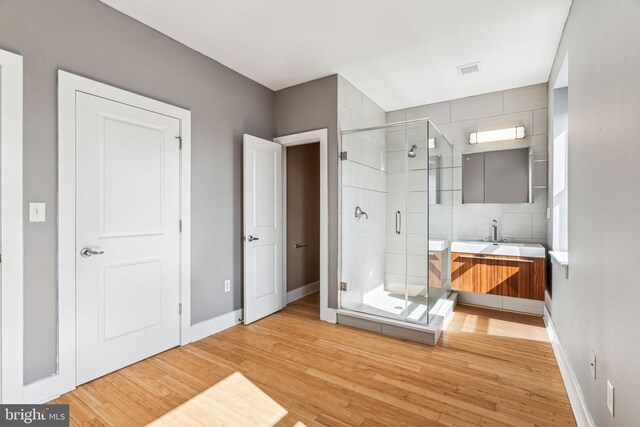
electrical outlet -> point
(37, 212)
(610, 397)
(227, 285)
(593, 364)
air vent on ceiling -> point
(463, 70)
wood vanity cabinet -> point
(511, 276)
(435, 269)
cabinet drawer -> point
(512, 276)
(471, 274)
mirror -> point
(497, 176)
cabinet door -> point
(472, 273)
(514, 276)
(473, 178)
(506, 176)
(435, 269)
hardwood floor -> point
(490, 368)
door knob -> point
(88, 252)
(251, 238)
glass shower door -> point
(365, 222)
(440, 209)
(384, 221)
(417, 223)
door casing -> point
(68, 84)
(11, 223)
(320, 136)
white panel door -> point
(127, 213)
(263, 284)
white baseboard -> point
(44, 390)
(302, 291)
(576, 398)
(330, 315)
(213, 326)
(49, 388)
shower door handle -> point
(398, 222)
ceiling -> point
(401, 53)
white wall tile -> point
(502, 121)
(372, 112)
(417, 201)
(438, 113)
(344, 117)
(396, 116)
(484, 221)
(475, 107)
(464, 225)
(396, 243)
(457, 133)
(396, 161)
(516, 226)
(540, 122)
(396, 139)
(525, 98)
(364, 184)
(539, 227)
(349, 96)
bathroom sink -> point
(533, 250)
(438, 245)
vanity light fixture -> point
(497, 135)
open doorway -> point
(265, 224)
(302, 207)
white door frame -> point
(11, 309)
(68, 84)
(321, 136)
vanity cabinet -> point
(512, 276)
(435, 269)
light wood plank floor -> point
(490, 368)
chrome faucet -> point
(359, 213)
(494, 229)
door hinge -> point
(343, 286)
(180, 225)
(342, 155)
(179, 308)
(179, 138)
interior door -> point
(263, 284)
(127, 235)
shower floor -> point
(380, 302)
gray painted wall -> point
(597, 308)
(91, 39)
(310, 106)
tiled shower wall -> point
(364, 184)
(456, 119)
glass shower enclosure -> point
(395, 220)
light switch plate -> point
(37, 212)
(610, 397)
(227, 285)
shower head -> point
(412, 151)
